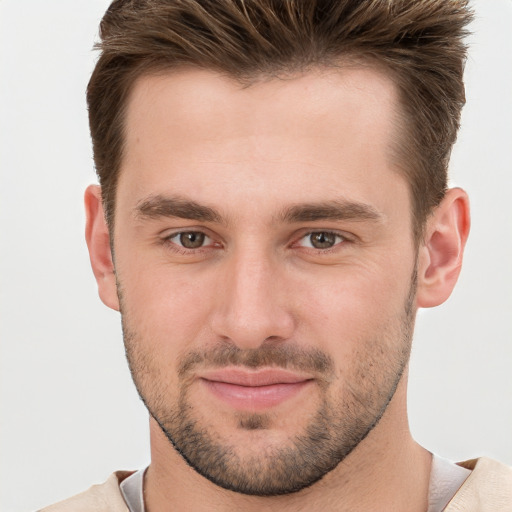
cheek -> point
(349, 307)
(167, 308)
(162, 320)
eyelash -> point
(168, 240)
(342, 239)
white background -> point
(70, 414)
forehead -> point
(196, 91)
(196, 130)
(199, 102)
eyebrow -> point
(330, 210)
(159, 206)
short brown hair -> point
(419, 43)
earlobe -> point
(440, 254)
(98, 242)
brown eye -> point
(321, 240)
(191, 239)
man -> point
(273, 211)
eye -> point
(190, 239)
(321, 240)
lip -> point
(254, 390)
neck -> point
(387, 471)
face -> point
(265, 267)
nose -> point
(252, 306)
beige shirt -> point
(487, 489)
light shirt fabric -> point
(446, 478)
(487, 489)
(132, 489)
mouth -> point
(254, 390)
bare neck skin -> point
(387, 471)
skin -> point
(249, 154)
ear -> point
(98, 242)
(440, 253)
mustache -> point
(289, 357)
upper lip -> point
(255, 378)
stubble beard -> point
(338, 426)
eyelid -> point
(170, 232)
(328, 231)
(177, 235)
(347, 237)
(167, 237)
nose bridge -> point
(251, 308)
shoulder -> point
(105, 497)
(487, 489)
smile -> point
(253, 391)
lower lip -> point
(254, 397)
